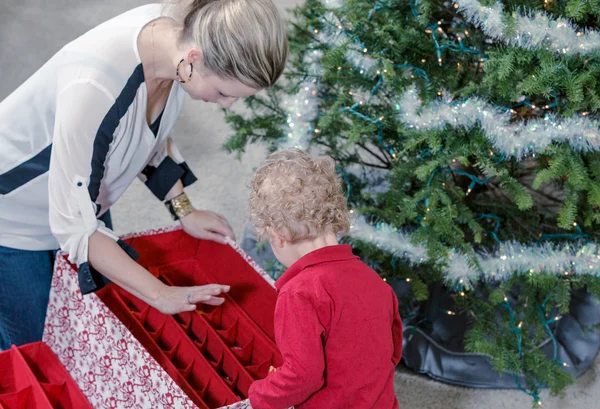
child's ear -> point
(280, 242)
(275, 239)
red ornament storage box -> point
(32, 377)
(124, 354)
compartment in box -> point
(252, 346)
(251, 292)
(54, 392)
(169, 339)
(186, 355)
(196, 378)
(244, 354)
(229, 335)
(43, 363)
(28, 397)
(133, 303)
(20, 399)
(260, 370)
(59, 387)
(153, 321)
(14, 373)
(220, 357)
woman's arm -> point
(81, 115)
(106, 256)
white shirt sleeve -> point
(80, 109)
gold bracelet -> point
(180, 206)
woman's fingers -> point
(206, 299)
(209, 235)
(206, 294)
(174, 300)
(210, 287)
(222, 226)
(215, 301)
(189, 307)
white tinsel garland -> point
(532, 30)
(509, 259)
(512, 139)
(333, 4)
(334, 34)
(388, 238)
(360, 61)
(303, 107)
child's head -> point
(296, 198)
(244, 41)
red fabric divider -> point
(223, 266)
(32, 377)
(214, 353)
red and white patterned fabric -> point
(109, 365)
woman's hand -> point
(173, 300)
(207, 225)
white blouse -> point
(74, 136)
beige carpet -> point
(32, 30)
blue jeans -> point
(25, 279)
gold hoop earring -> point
(191, 72)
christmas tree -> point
(467, 136)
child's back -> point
(356, 310)
(336, 321)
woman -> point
(97, 115)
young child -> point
(336, 321)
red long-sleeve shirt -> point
(338, 328)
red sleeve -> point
(298, 334)
(397, 332)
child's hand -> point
(207, 225)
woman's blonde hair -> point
(298, 197)
(239, 39)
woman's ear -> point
(195, 57)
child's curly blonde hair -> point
(297, 197)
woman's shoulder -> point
(118, 34)
(108, 53)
